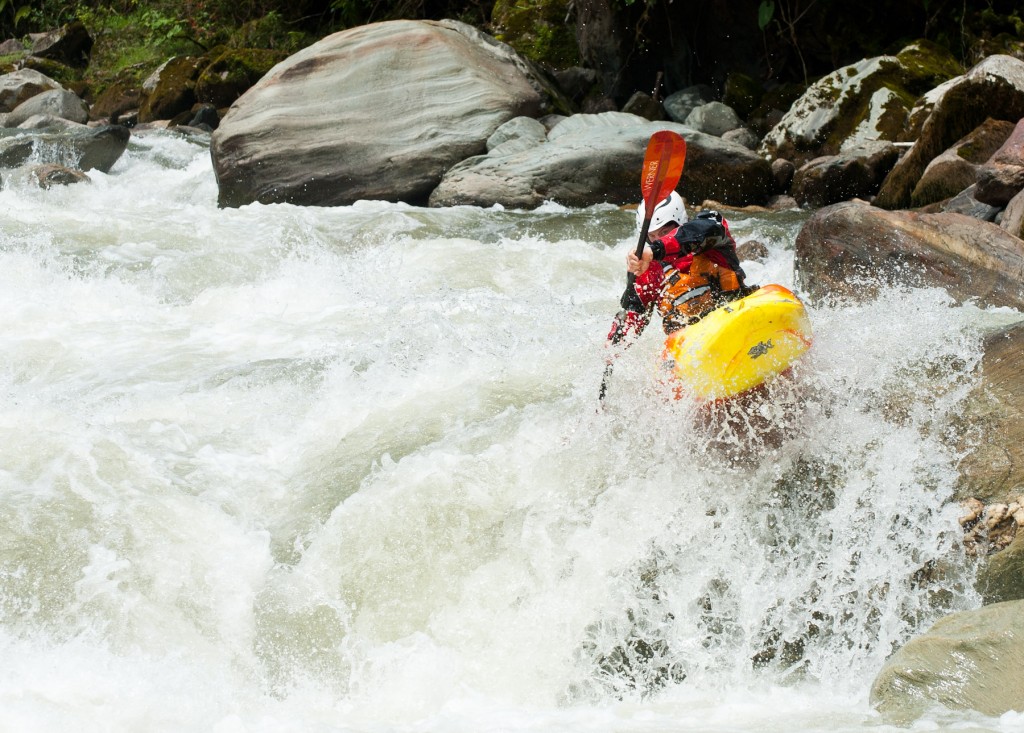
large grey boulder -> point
(21, 85)
(973, 660)
(61, 103)
(375, 112)
(863, 102)
(849, 249)
(590, 159)
(993, 88)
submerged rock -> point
(82, 148)
(973, 660)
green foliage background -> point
(775, 42)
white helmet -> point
(669, 209)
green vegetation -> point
(774, 42)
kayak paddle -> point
(663, 166)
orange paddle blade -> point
(663, 165)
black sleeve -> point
(701, 234)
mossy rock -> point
(928, 65)
(170, 90)
(1001, 577)
(59, 72)
(537, 30)
(9, 61)
(115, 100)
(232, 72)
(1003, 43)
(778, 98)
(742, 92)
(882, 90)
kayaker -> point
(695, 269)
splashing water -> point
(343, 469)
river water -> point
(280, 468)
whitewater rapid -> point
(276, 468)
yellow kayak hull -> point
(739, 346)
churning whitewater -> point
(344, 469)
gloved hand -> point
(627, 323)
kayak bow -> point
(739, 346)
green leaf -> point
(765, 13)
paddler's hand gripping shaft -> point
(663, 166)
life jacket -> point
(690, 293)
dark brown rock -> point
(854, 174)
(956, 169)
(993, 88)
(70, 44)
(849, 249)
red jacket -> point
(695, 269)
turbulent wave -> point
(345, 469)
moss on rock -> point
(232, 71)
(537, 29)
(171, 88)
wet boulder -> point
(992, 88)
(965, 203)
(588, 159)
(992, 431)
(322, 129)
(850, 249)
(644, 105)
(956, 169)
(867, 101)
(49, 175)
(1013, 216)
(84, 149)
(49, 122)
(856, 173)
(973, 660)
(1001, 576)
(21, 85)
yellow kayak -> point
(740, 345)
